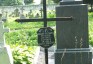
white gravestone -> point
(22, 14)
(5, 51)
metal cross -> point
(45, 19)
(41, 10)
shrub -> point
(23, 54)
(23, 36)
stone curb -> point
(36, 55)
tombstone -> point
(30, 14)
(41, 11)
(72, 36)
(30, 11)
(5, 52)
(6, 13)
(21, 14)
(16, 12)
(2, 10)
(4, 18)
(37, 15)
(22, 9)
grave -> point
(37, 15)
(16, 12)
(30, 14)
(71, 32)
(72, 36)
(41, 11)
(4, 17)
(5, 52)
(22, 16)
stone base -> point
(6, 55)
(73, 56)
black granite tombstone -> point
(72, 36)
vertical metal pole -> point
(44, 13)
(45, 25)
(46, 56)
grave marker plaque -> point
(46, 37)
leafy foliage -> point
(91, 28)
(23, 54)
(24, 36)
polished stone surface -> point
(72, 34)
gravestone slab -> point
(22, 16)
(72, 34)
